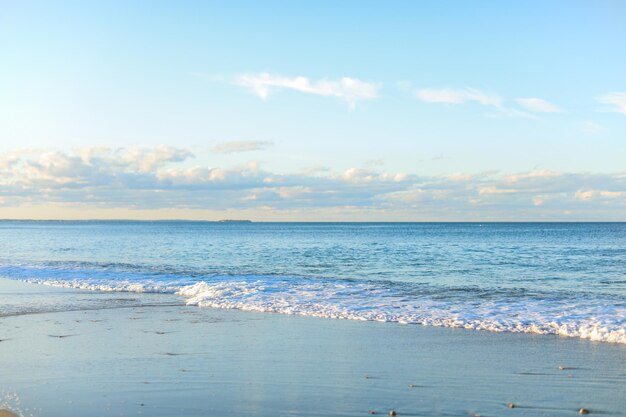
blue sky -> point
(323, 111)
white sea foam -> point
(589, 319)
(575, 315)
(117, 286)
(11, 401)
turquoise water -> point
(556, 278)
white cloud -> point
(313, 170)
(612, 194)
(407, 196)
(7, 161)
(147, 159)
(451, 96)
(538, 105)
(617, 101)
(584, 195)
(162, 178)
(538, 200)
(472, 95)
(589, 195)
(537, 174)
(241, 146)
(361, 176)
(492, 189)
(348, 89)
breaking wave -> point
(593, 316)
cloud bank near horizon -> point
(163, 178)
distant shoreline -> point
(234, 221)
(311, 221)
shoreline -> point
(183, 360)
(208, 295)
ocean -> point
(565, 279)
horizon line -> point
(248, 221)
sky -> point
(313, 111)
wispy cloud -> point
(591, 128)
(350, 90)
(617, 101)
(162, 178)
(241, 146)
(538, 105)
(490, 100)
(452, 96)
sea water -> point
(567, 279)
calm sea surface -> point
(567, 279)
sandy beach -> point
(127, 355)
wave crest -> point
(596, 317)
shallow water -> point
(556, 278)
(183, 361)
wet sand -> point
(127, 354)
